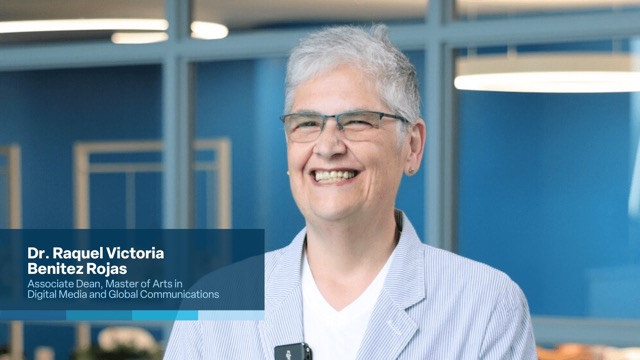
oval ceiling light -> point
(208, 30)
(549, 73)
(127, 31)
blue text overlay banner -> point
(48, 271)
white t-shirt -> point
(335, 334)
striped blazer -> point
(434, 305)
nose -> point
(330, 142)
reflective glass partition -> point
(549, 185)
(48, 113)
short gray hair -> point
(372, 52)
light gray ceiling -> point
(251, 14)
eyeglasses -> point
(356, 125)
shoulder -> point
(438, 276)
(443, 269)
(483, 293)
(479, 282)
(282, 264)
(460, 293)
(444, 264)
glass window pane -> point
(48, 112)
(549, 192)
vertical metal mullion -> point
(435, 156)
(130, 199)
(450, 150)
(432, 108)
(16, 328)
(178, 14)
(441, 128)
(178, 188)
(15, 187)
(177, 116)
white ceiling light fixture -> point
(127, 31)
(138, 37)
(208, 30)
(549, 73)
(29, 26)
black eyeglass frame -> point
(337, 118)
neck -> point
(352, 241)
(346, 256)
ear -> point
(417, 141)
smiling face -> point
(332, 178)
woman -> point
(357, 282)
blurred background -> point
(164, 114)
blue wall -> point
(544, 183)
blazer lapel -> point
(390, 328)
(283, 306)
(388, 333)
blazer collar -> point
(405, 282)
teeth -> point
(334, 176)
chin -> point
(331, 213)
